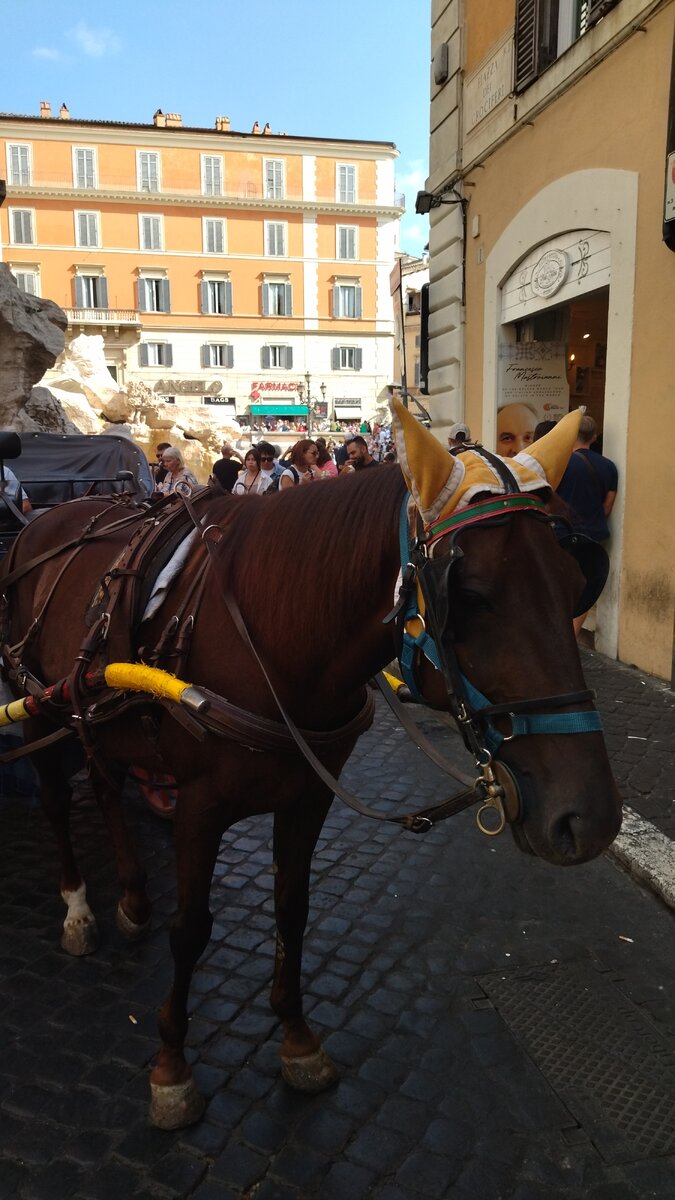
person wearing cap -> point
(459, 436)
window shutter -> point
(167, 355)
(205, 356)
(204, 288)
(335, 358)
(265, 357)
(265, 301)
(358, 306)
(102, 292)
(227, 298)
(142, 298)
(164, 296)
(79, 292)
(229, 356)
(143, 355)
(358, 358)
(527, 39)
(336, 302)
(288, 299)
(288, 357)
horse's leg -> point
(304, 1064)
(133, 910)
(80, 935)
(175, 1101)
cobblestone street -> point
(503, 1028)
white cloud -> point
(47, 52)
(95, 43)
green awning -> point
(279, 410)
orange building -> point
(218, 266)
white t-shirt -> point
(261, 484)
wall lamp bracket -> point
(427, 200)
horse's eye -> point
(473, 600)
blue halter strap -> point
(522, 723)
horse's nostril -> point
(565, 834)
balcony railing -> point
(102, 316)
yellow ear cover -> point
(430, 471)
(553, 451)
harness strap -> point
(524, 723)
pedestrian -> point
(253, 481)
(359, 455)
(325, 462)
(158, 471)
(459, 436)
(588, 488)
(301, 465)
(178, 478)
(269, 464)
(543, 428)
(226, 469)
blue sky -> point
(358, 69)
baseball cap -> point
(460, 430)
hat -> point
(442, 483)
(460, 430)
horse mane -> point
(303, 559)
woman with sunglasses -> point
(252, 480)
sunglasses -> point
(266, 458)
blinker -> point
(593, 562)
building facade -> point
(551, 283)
(408, 280)
(221, 268)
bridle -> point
(426, 584)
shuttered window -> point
(84, 166)
(217, 354)
(277, 356)
(148, 171)
(277, 299)
(346, 358)
(345, 183)
(275, 238)
(546, 28)
(155, 354)
(347, 300)
(213, 232)
(18, 162)
(150, 231)
(346, 242)
(86, 229)
(153, 295)
(217, 297)
(212, 174)
(274, 179)
(91, 291)
(27, 281)
(22, 230)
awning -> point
(279, 410)
(348, 412)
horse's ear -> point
(426, 464)
(553, 451)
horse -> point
(313, 574)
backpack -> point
(275, 482)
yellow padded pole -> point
(14, 711)
(134, 677)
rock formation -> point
(31, 338)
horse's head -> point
(499, 592)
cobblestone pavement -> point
(504, 1029)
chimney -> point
(64, 113)
(159, 119)
(174, 120)
(256, 128)
(267, 128)
(223, 124)
(45, 110)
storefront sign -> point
(489, 86)
(534, 374)
(189, 387)
(223, 400)
(272, 385)
(550, 273)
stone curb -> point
(647, 854)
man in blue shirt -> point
(589, 488)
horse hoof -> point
(128, 927)
(176, 1105)
(80, 937)
(312, 1073)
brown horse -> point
(314, 573)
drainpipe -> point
(669, 198)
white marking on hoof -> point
(312, 1073)
(80, 935)
(128, 927)
(175, 1105)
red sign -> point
(273, 386)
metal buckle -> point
(420, 825)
